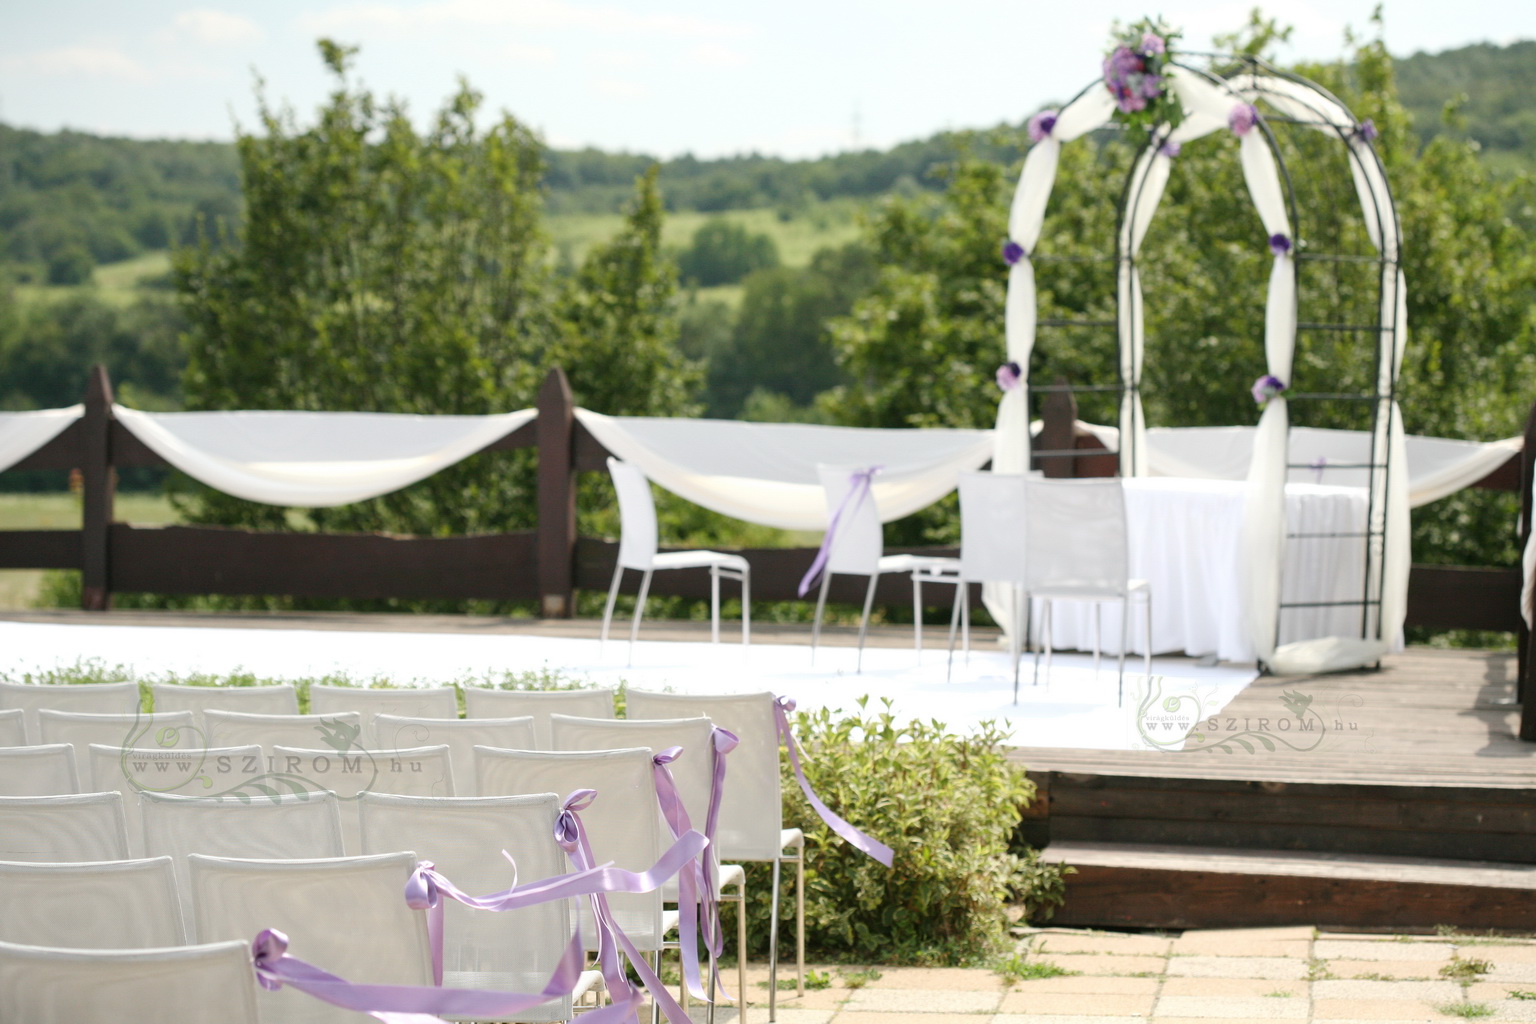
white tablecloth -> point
(1186, 539)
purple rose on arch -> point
(1153, 43)
(1242, 119)
(1170, 149)
(1013, 252)
(1366, 130)
(1008, 375)
(1267, 387)
(1279, 244)
(1041, 125)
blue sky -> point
(791, 78)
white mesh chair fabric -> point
(280, 699)
(47, 769)
(96, 698)
(174, 730)
(1076, 548)
(596, 702)
(196, 772)
(77, 827)
(113, 904)
(638, 550)
(13, 727)
(622, 823)
(515, 950)
(426, 702)
(415, 771)
(346, 915)
(461, 735)
(340, 731)
(178, 985)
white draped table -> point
(1186, 539)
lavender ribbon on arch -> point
(860, 481)
(874, 847)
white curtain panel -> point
(313, 459)
(22, 433)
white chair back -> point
(992, 527)
(416, 771)
(78, 827)
(752, 819)
(539, 704)
(622, 823)
(113, 904)
(1075, 537)
(97, 698)
(425, 702)
(464, 837)
(180, 985)
(47, 769)
(637, 515)
(345, 915)
(13, 727)
(191, 772)
(174, 730)
(280, 699)
(461, 735)
(859, 542)
(340, 731)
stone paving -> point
(1199, 977)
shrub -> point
(945, 804)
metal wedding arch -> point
(1210, 100)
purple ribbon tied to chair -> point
(860, 840)
(860, 482)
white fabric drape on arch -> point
(22, 433)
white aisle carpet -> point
(1077, 708)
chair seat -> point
(696, 560)
(916, 563)
(1088, 593)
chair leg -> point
(800, 921)
(1125, 636)
(1045, 642)
(821, 604)
(954, 620)
(965, 624)
(741, 954)
(917, 616)
(1016, 640)
(613, 595)
(714, 604)
(634, 628)
(869, 602)
(746, 607)
(1147, 658)
(1098, 635)
(655, 1006)
(773, 947)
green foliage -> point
(1469, 1011)
(724, 252)
(945, 804)
(1486, 89)
(1027, 966)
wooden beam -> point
(1464, 597)
(557, 497)
(99, 478)
(40, 549)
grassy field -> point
(114, 283)
(19, 588)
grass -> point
(1464, 971)
(20, 588)
(1466, 1010)
(860, 978)
(1521, 993)
(1278, 993)
(117, 284)
(1023, 967)
(1317, 970)
(814, 980)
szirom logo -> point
(1179, 720)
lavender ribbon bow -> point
(860, 482)
(876, 849)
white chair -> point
(280, 699)
(1076, 549)
(179, 985)
(515, 950)
(96, 698)
(173, 730)
(77, 827)
(47, 769)
(13, 727)
(196, 772)
(425, 702)
(416, 771)
(114, 904)
(638, 550)
(346, 915)
(596, 702)
(751, 824)
(461, 735)
(857, 550)
(342, 731)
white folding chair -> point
(751, 824)
(424, 702)
(13, 727)
(279, 699)
(95, 698)
(347, 915)
(47, 769)
(341, 731)
(515, 950)
(416, 771)
(113, 904)
(76, 827)
(858, 550)
(265, 826)
(480, 702)
(1076, 549)
(193, 772)
(638, 550)
(178, 985)
(461, 735)
(173, 730)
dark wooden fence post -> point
(557, 497)
(1058, 414)
(99, 484)
(1524, 690)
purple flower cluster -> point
(1008, 376)
(1041, 125)
(1131, 74)
(1267, 387)
(1366, 130)
(1242, 119)
(1013, 252)
(1170, 149)
(1279, 244)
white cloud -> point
(524, 14)
(217, 28)
(91, 61)
(713, 55)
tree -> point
(724, 252)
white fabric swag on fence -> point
(22, 433)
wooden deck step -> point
(1124, 885)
